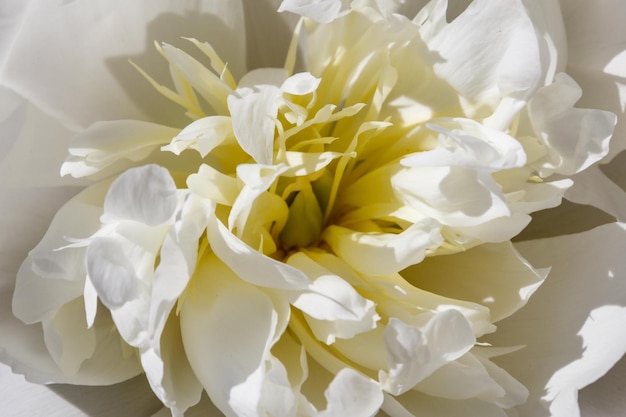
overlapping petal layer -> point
(326, 241)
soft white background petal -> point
(23, 399)
(571, 327)
(83, 82)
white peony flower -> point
(321, 225)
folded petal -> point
(414, 353)
(227, 328)
(253, 107)
(332, 307)
(383, 253)
(576, 138)
(251, 265)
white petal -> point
(300, 84)
(112, 146)
(414, 354)
(571, 348)
(48, 278)
(169, 373)
(352, 394)
(253, 108)
(383, 253)
(104, 85)
(25, 399)
(501, 279)
(202, 135)
(31, 138)
(595, 34)
(178, 257)
(454, 196)
(251, 265)
(414, 403)
(227, 327)
(474, 377)
(594, 188)
(111, 272)
(146, 195)
(490, 49)
(322, 11)
(332, 307)
(466, 143)
(257, 179)
(67, 337)
(576, 138)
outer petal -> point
(595, 40)
(100, 84)
(576, 138)
(493, 274)
(31, 138)
(49, 278)
(114, 146)
(333, 307)
(568, 348)
(227, 328)
(414, 354)
(594, 188)
(23, 399)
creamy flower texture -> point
(344, 221)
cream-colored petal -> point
(494, 275)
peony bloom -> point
(321, 225)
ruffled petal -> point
(595, 40)
(575, 138)
(414, 353)
(333, 308)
